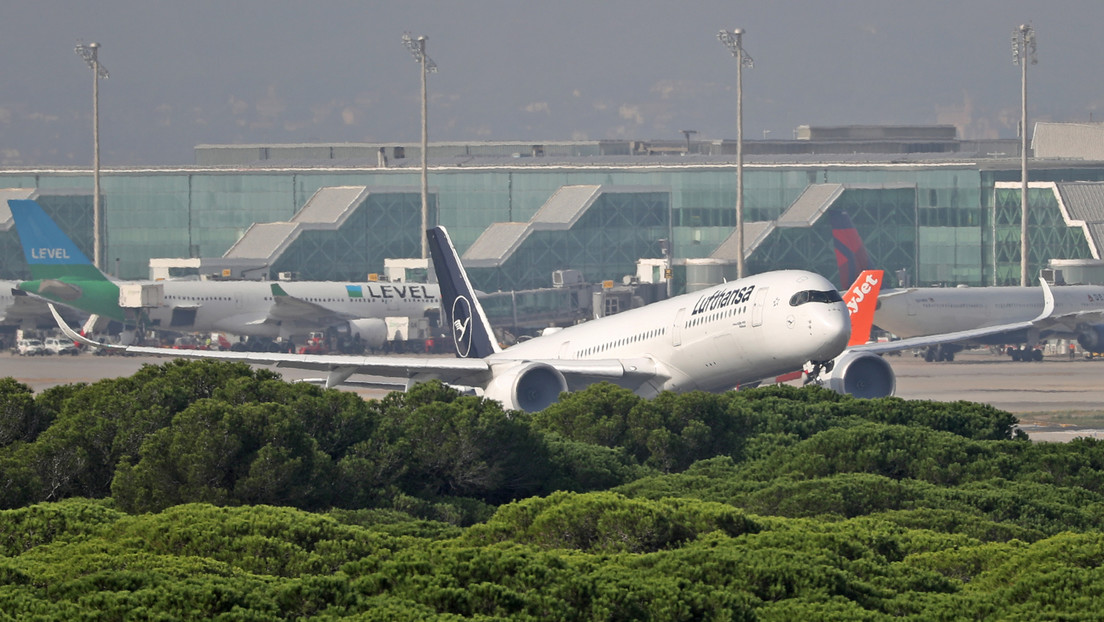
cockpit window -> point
(812, 295)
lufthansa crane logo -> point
(461, 326)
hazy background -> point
(264, 71)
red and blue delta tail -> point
(851, 255)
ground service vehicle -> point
(54, 345)
(29, 347)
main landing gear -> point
(942, 352)
(1023, 353)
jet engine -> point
(1091, 337)
(373, 332)
(529, 387)
(862, 375)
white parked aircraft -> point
(61, 273)
(921, 311)
(711, 340)
(1078, 313)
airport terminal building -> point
(938, 209)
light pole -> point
(417, 46)
(90, 54)
(1023, 47)
(733, 40)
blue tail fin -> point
(471, 332)
(49, 252)
(851, 255)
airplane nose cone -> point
(830, 329)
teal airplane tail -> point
(49, 252)
(59, 270)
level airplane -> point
(860, 370)
(61, 273)
(923, 311)
(711, 340)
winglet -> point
(862, 300)
(471, 332)
(50, 254)
(1048, 301)
(75, 336)
(277, 290)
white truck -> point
(56, 345)
(29, 347)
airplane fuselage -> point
(714, 339)
(935, 310)
(245, 307)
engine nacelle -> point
(373, 332)
(1091, 337)
(862, 375)
(530, 387)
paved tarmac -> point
(1055, 399)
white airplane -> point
(61, 273)
(290, 310)
(861, 371)
(921, 311)
(1078, 314)
(710, 340)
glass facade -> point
(347, 253)
(935, 221)
(606, 241)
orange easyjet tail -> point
(862, 300)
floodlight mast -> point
(733, 40)
(1023, 52)
(90, 54)
(417, 47)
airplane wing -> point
(339, 367)
(1069, 322)
(450, 370)
(963, 335)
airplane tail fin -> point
(862, 300)
(851, 256)
(471, 332)
(49, 252)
